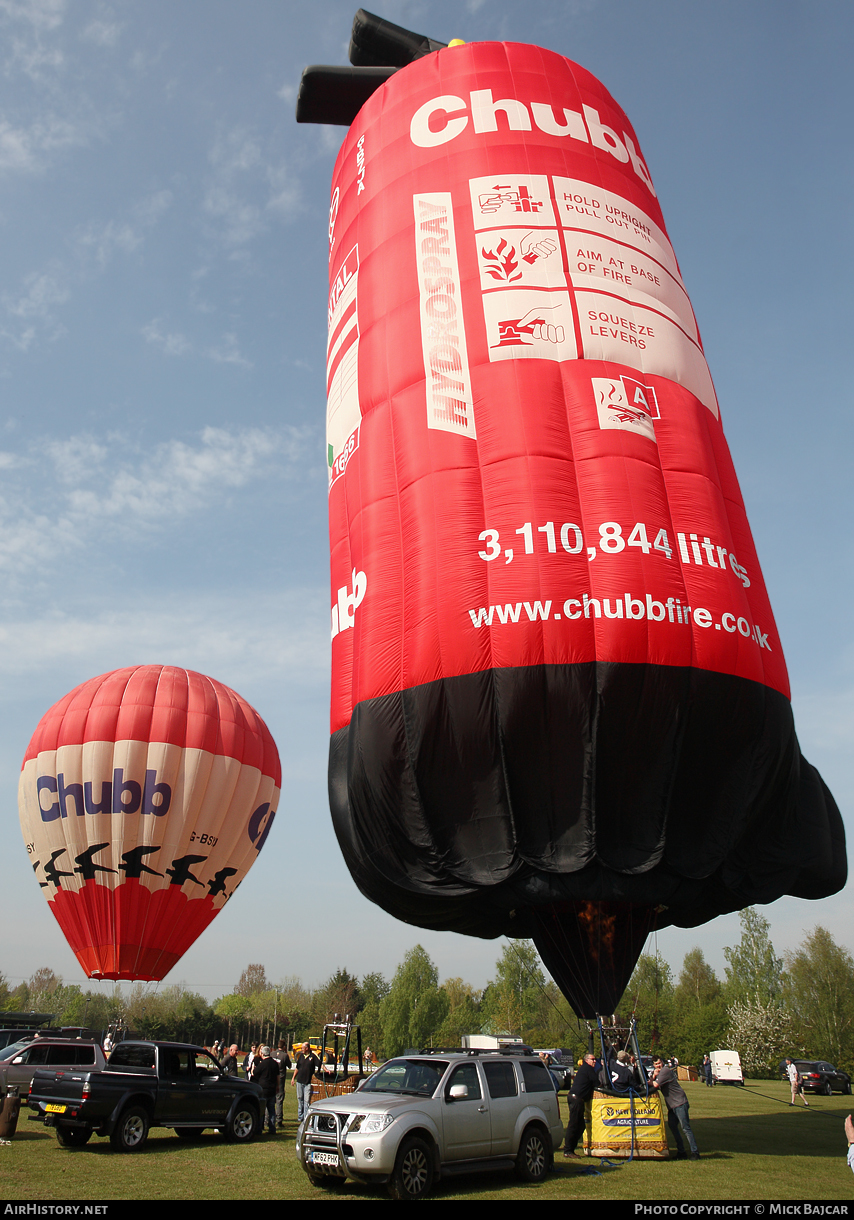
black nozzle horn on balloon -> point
(377, 49)
(375, 42)
(336, 95)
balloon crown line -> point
(378, 48)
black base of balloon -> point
(479, 804)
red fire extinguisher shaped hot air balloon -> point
(560, 707)
(145, 797)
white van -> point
(726, 1067)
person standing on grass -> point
(849, 1135)
(249, 1058)
(306, 1065)
(664, 1079)
(581, 1090)
(265, 1071)
(796, 1082)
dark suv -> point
(817, 1076)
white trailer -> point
(726, 1067)
(485, 1042)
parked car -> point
(818, 1076)
(20, 1061)
(422, 1117)
(144, 1085)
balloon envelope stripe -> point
(164, 704)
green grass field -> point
(753, 1146)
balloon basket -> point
(321, 1089)
(629, 1127)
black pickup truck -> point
(144, 1085)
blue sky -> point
(162, 386)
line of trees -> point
(765, 1007)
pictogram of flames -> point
(504, 258)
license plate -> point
(324, 1158)
(51, 1109)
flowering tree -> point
(762, 1032)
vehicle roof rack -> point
(518, 1049)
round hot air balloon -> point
(560, 707)
(145, 797)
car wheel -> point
(413, 1170)
(189, 1133)
(131, 1131)
(243, 1125)
(535, 1156)
(72, 1137)
(848, 1088)
(828, 1089)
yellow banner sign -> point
(625, 1126)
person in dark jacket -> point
(229, 1063)
(619, 1073)
(580, 1092)
(265, 1071)
(306, 1066)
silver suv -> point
(426, 1116)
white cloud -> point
(174, 478)
(26, 149)
(26, 49)
(102, 33)
(245, 186)
(286, 191)
(227, 352)
(60, 496)
(102, 239)
(36, 306)
(260, 635)
(238, 220)
(149, 210)
(42, 15)
(22, 340)
(43, 293)
(35, 60)
(173, 343)
(234, 152)
(45, 290)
